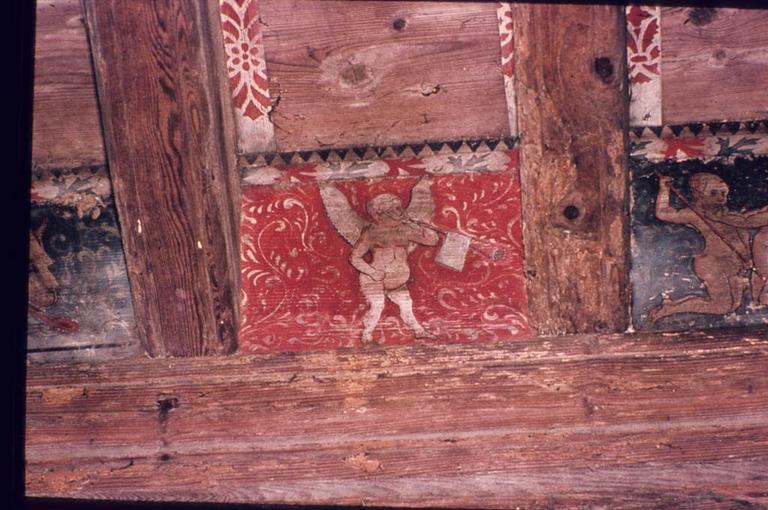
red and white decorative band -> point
(507, 42)
(247, 72)
(644, 64)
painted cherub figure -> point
(389, 237)
(730, 260)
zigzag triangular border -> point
(699, 129)
(377, 152)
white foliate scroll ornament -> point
(247, 72)
(644, 64)
(507, 42)
(310, 278)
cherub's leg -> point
(738, 284)
(374, 294)
(725, 295)
(758, 288)
(402, 298)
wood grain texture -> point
(171, 153)
(66, 128)
(715, 64)
(572, 111)
(638, 421)
(377, 72)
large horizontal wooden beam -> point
(661, 420)
(169, 133)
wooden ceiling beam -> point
(572, 108)
(169, 135)
(615, 421)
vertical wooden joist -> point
(170, 145)
(572, 114)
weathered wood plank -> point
(170, 144)
(377, 72)
(572, 110)
(629, 421)
(715, 64)
(66, 127)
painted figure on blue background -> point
(731, 261)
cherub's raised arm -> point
(422, 234)
(758, 218)
(752, 219)
(665, 211)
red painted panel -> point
(300, 290)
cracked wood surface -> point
(170, 141)
(629, 421)
(572, 112)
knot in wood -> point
(604, 68)
(571, 212)
(399, 24)
(701, 16)
(165, 404)
(720, 54)
(355, 74)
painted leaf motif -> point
(245, 63)
(688, 146)
(637, 15)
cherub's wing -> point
(422, 205)
(344, 219)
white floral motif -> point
(245, 57)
